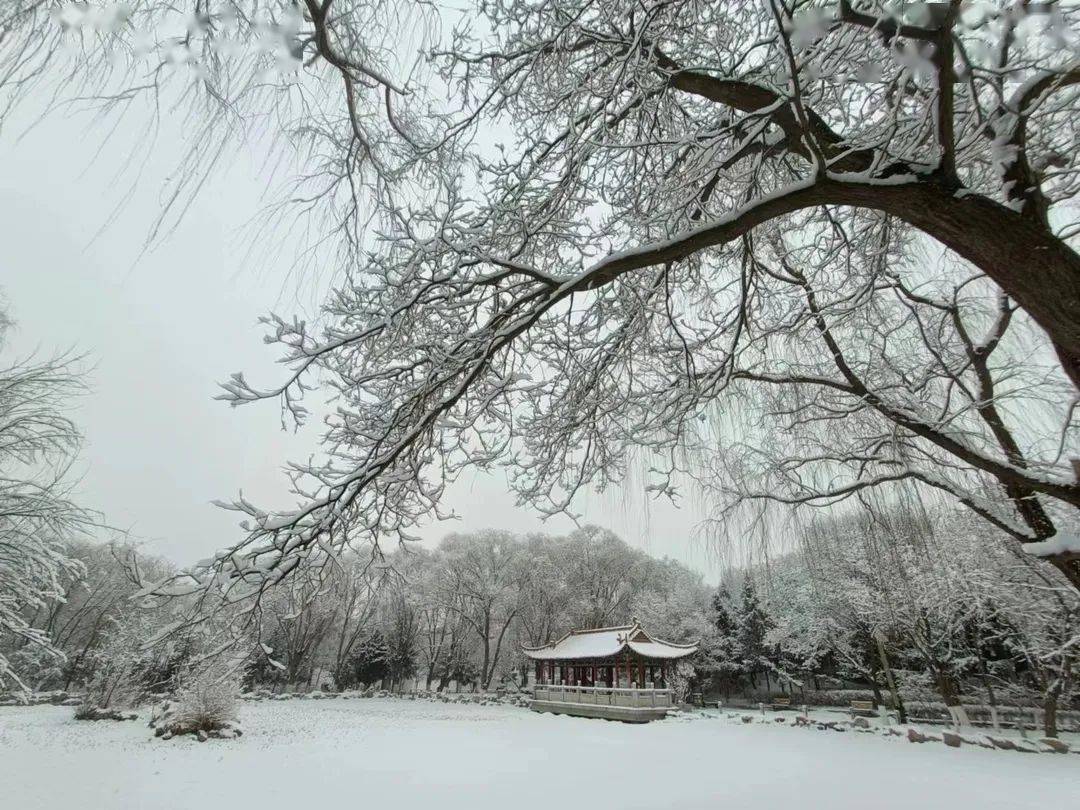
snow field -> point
(388, 753)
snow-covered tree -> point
(481, 583)
(117, 681)
(370, 659)
(722, 645)
(38, 518)
(1035, 623)
(674, 605)
(925, 598)
(956, 120)
(354, 593)
(924, 375)
(402, 638)
(588, 578)
(587, 290)
(296, 622)
(672, 174)
(807, 631)
(753, 625)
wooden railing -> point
(632, 697)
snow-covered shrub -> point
(38, 668)
(118, 683)
(205, 705)
(88, 711)
(110, 694)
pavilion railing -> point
(632, 697)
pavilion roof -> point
(605, 642)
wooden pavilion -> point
(618, 673)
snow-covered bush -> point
(119, 668)
(205, 705)
(38, 667)
(112, 688)
(86, 710)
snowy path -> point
(310, 755)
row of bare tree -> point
(459, 614)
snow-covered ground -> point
(388, 754)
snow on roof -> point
(662, 649)
(604, 642)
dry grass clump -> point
(205, 705)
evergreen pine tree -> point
(370, 662)
(724, 653)
(750, 637)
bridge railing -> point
(633, 697)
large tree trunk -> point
(1037, 270)
(875, 689)
(951, 697)
(1050, 709)
(897, 700)
(991, 698)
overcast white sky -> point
(164, 328)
